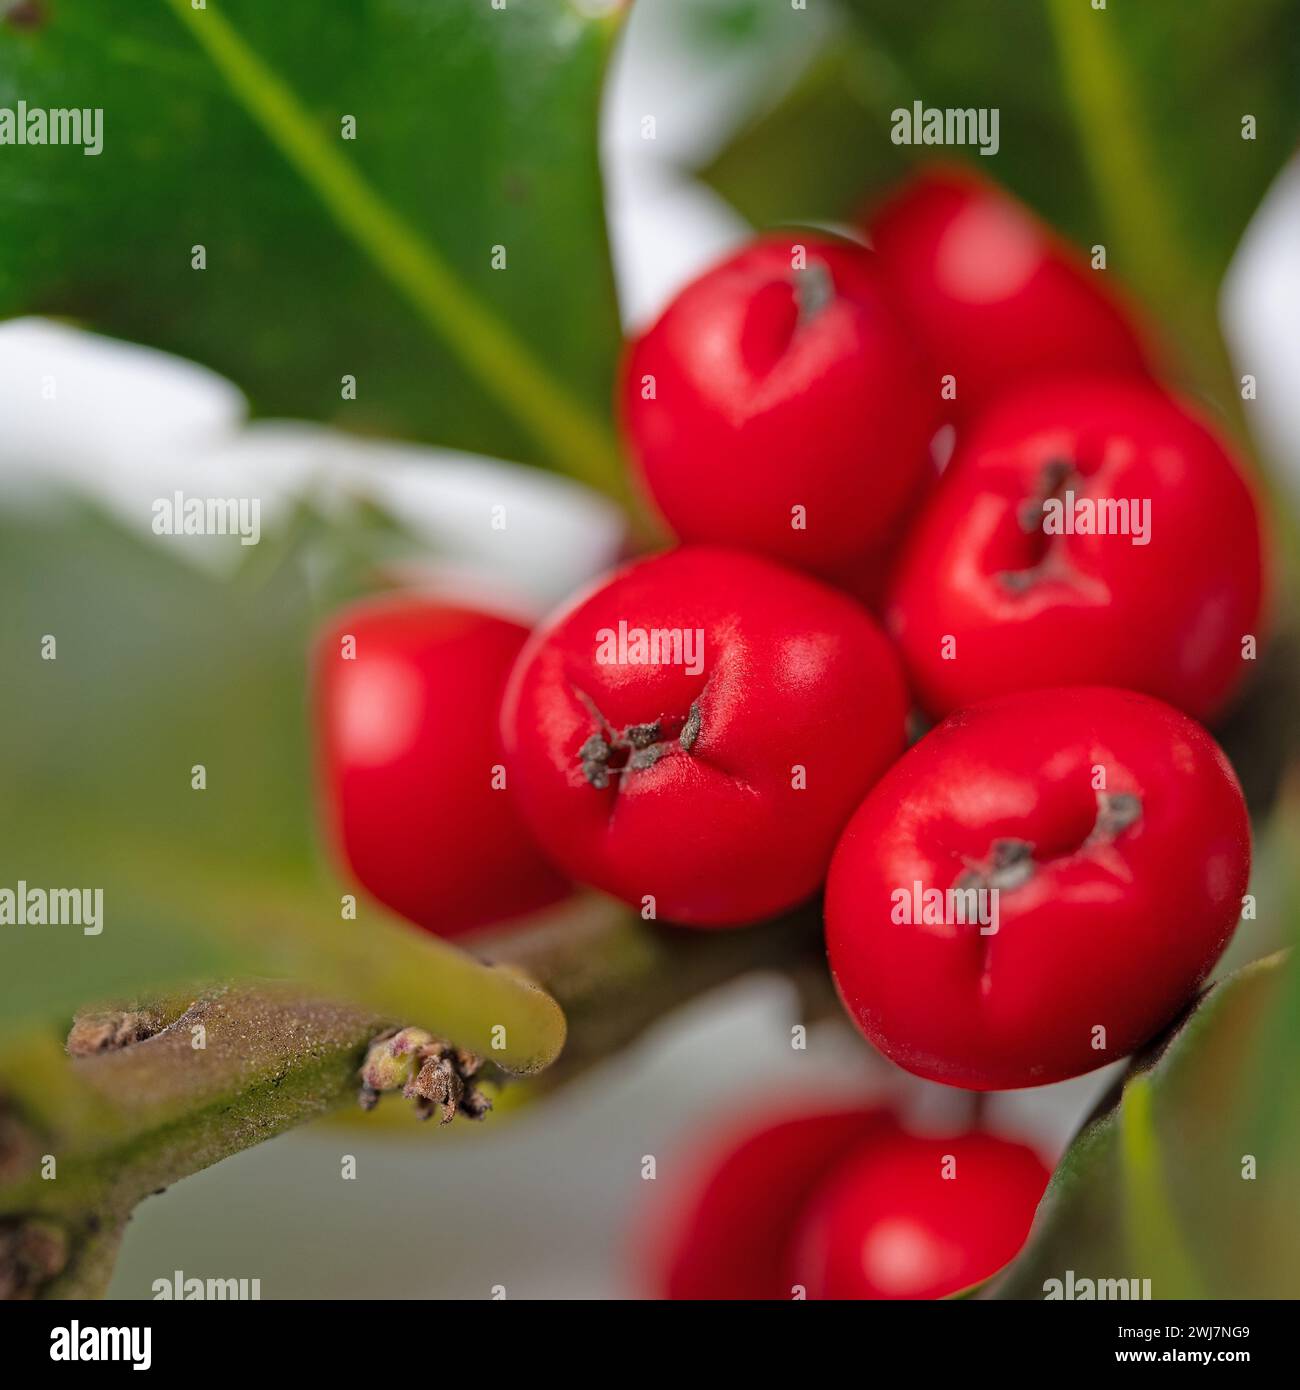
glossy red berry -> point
(411, 769)
(1037, 887)
(993, 293)
(909, 1217)
(728, 1231)
(1087, 531)
(784, 409)
(692, 736)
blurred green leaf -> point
(889, 54)
(1158, 95)
(160, 667)
(1121, 125)
(962, 53)
(811, 157)
(1187, 1174)
(222, 127)
(728, 23)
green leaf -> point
(158, 668)
(958, 53)
(1186, 1176)
(326, 256)
(1121, 126)
(889, 54)
(1157, 95)
(783, 169)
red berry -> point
(692, 736)
(911, 1217)
(784, 396)
(994, 593)
(408, 743)
(728, 1236)
(994, 294)
(1102, 834)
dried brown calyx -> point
(1056, 476)
(108, 1030)
(1012, 862)
(609, 752)
(436, 1076)
(814, 291)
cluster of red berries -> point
(715, 733)
(844, 1204)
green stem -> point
(493, 1010)
(576, 442)
(1126, 174)
(616, 976)
(233, 1067)
(376, 961)
(127, 1122)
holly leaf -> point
(778, 171)
(156, 751)
(402, 192)
(1186, 1176)
(125, 672)
(1101, 127)
(154, 745)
